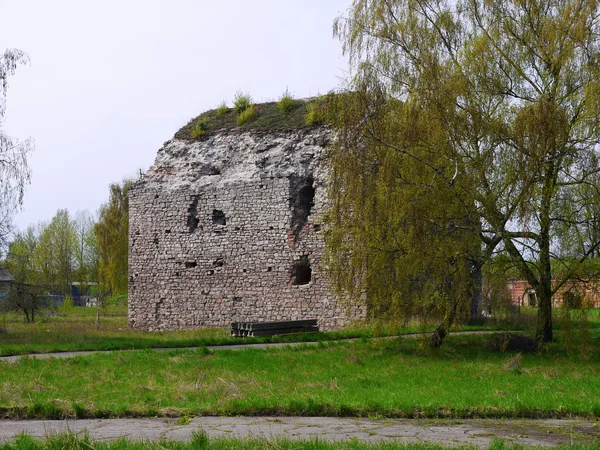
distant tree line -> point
(86, 248)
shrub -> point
(67, 305)
(199, 128)
(242, 102)
(222, 109)
(248, 114)
(509, 342)
(315, 114)
(286, 101)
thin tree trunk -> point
(437, 337)
(476, 289)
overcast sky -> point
(109, 81)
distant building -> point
(6, 281)
(575, 292)
(84, 293)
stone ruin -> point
(228, 228)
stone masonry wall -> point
(229, 229)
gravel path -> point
(475, 432)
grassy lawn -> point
(201, 442)
(75, 329)
(375, 378)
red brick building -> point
(576, 293)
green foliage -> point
(21, 260)
(286, 101)
(199, 128)
(86, 253)
(48, 257)
(510, 94)
(221, 110)
(23, 298)
(241, 102)
(397, 234)
(248, 114)
(55, 251)
(315, 112)
(67, 306)
(112, 234)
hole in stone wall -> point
(190, 264)
(177, 274)
(244, 270)
(317, 227)
(192, 219)
(237, 228)
(211, 272)
(167, 231)
(218, 262)
(302, 195)
(237, 299)
(156, 196)
(218, 217)
(270, 228)
(301, 271)
(155, 240)
(209, 169)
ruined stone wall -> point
(229, 229)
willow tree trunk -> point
(437, 337)
(544, 321)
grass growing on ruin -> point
(267, 117)
(375, 378)
(200, 441)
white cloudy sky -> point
(109, 81)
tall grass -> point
(380, 377)
(76, 330)
(200, 441)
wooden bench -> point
(243, 329)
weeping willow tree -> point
(399, 235)
(512, 90)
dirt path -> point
(475, 432)
(15, 358)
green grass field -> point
(75, 329)
(201, 442)
(394, 377)
(374, 378)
